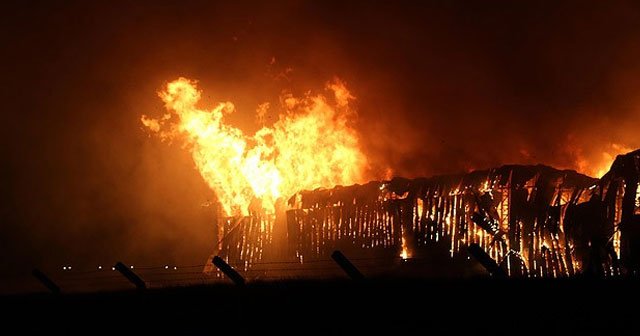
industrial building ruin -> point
(533, 221)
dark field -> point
(473, 306)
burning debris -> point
(533, 221)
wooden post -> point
(46, 281)
(228, 271)
(346, 265)
(132, 277)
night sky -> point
(441, 87)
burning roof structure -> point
(529, 221)
(533, 221)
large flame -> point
(311, 145)
(601, 162)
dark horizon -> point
(441, 87)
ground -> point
(474, 306)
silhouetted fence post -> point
(346, 265)
(485, 260)
(228, 271)
(44, 279)
(132, 277)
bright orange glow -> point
(600, 165)
(311, 145)
(405, 250)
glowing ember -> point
(405, 251)
(637, 211)
(311, 145)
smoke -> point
(441, 87)
(475, 87)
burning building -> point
(535, 221)
(532, 221)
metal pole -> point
(494, 269)
(46, 281)
(132, 277)
(346, 265)
(228, 271)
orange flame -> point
(405, 250)
(311, 145)
(601, 164)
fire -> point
(405, 251)
(311, 145)
(608, 156)
(600, 165)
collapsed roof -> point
(533, 221)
